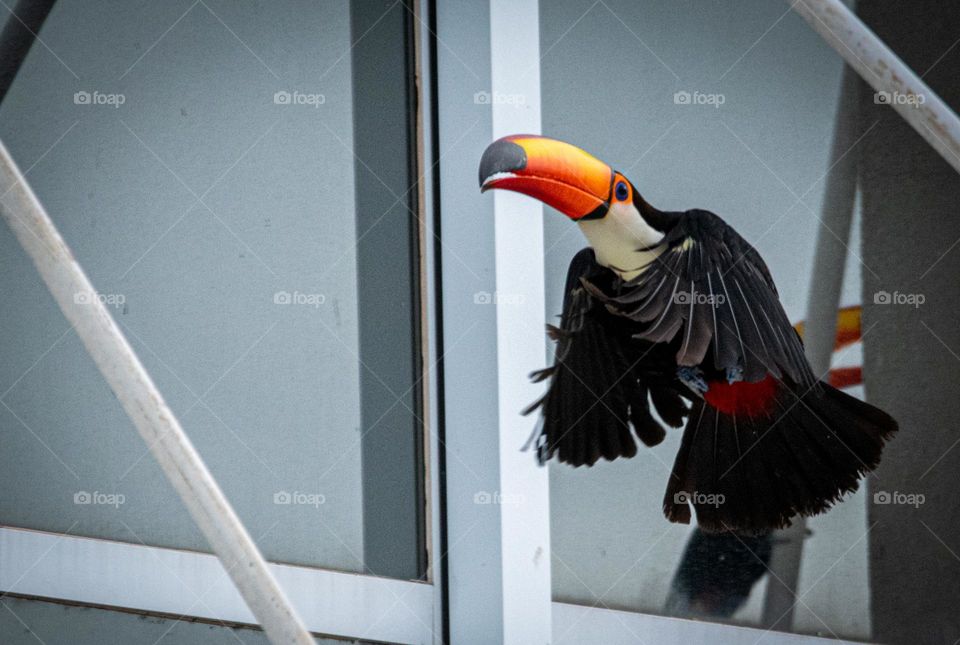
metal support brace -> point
(895, 83)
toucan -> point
(676, 313)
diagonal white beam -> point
(879, 66)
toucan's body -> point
(670, 308)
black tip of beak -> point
(501, 156)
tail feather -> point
(754, 472)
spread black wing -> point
(602, 380)
(711, 296)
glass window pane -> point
(757, 137)
(210, 167)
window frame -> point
(482, 585)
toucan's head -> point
(557, 173)
(610, 211)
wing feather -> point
(734, 320)
(596, 393)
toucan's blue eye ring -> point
(621, 192)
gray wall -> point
(610, 71)
(278, 384)
(910, 233)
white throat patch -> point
(623, 241)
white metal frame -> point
(187, 583)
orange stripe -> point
(848, 327)
(842, 377)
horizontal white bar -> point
(187, 583)
(576, 624)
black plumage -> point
(767, 440)
(600, 381)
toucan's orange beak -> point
(559, 174)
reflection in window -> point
(214, 181)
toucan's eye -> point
(621, 191)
